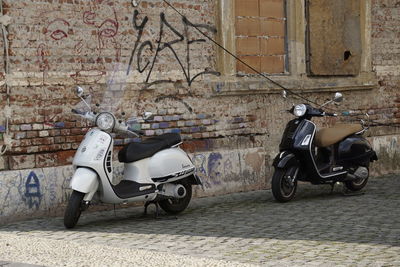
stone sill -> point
(231, 86)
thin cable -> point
(241, 61)
(261, 74)
(5, 147)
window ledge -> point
(231, 86)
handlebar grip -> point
(77, 112)
(331, 114)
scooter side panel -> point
(138, 171)
(356, 150)
(170, 164)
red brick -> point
(272, 8)
(248, 46)
(275, 28)
(248, 27)
(247, 8)
(253, 61)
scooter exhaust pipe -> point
(360, 173)
(173, 190)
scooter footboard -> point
(85, 180)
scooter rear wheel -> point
(358, 184)
(177, 205)
(282, 189)
(73, 210)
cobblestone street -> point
(317, 228)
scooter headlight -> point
(299, 110)
(105, 121)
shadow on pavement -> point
(314, 214)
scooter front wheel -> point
(283, 186)
(74, 209)
(177, 205)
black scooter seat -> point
(147, 148)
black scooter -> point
(327, 156)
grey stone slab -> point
(316, 229)
(15, 264)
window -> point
(260, 35)
(334, 37)
(320, 45)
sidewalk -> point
(316, 229)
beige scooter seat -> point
(329, 136)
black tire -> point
(73, 210)
(357, 185)
(281, 189)
(177, 205)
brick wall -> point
(260, 35)
(55, 45)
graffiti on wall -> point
(28, 192)
(32, 196)
(81, 41)
(220, 170)
(166, 31)
(92, 36)
(87, 40)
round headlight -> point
(105, 121)
(299, 110)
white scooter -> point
(156, 170)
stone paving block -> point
(315, 229)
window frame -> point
(296, 76)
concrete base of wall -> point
(44, 192)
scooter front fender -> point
(85, 180)
(285, 159)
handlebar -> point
(121, 127)
(330, 114)
(75, 111)
(139, 132)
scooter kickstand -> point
(146, 205)
(332, 187)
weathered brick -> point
(46, 160)
(22, 162)
(26, 127)
(44, 133)
(65, 157)
(41, 102)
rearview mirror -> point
(284, 94)
(79, 91)
(338, 97)
(148, 116)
